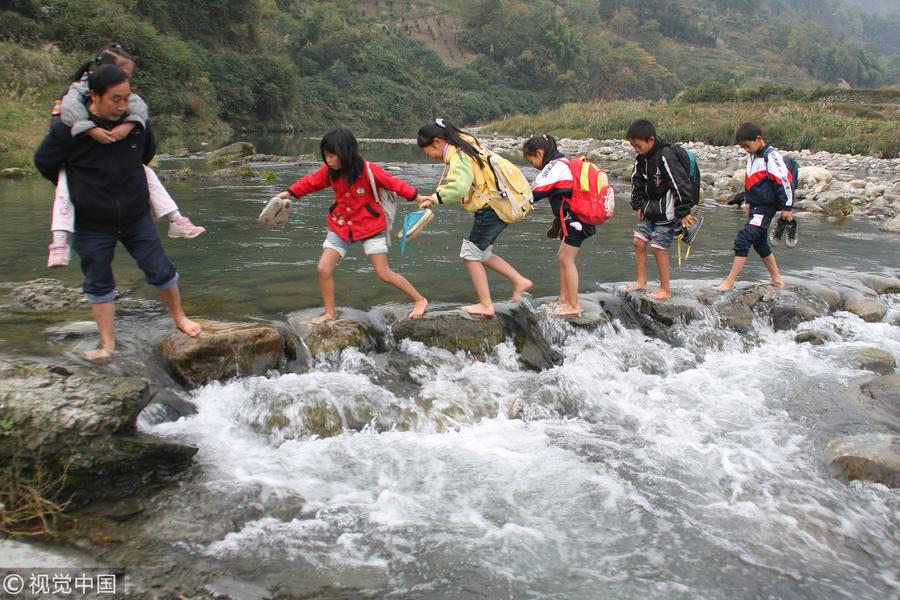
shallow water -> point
(641, 469)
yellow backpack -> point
(510, 193)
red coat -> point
(355, 214)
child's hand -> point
(100, 135)
(640, 215)
(425, 201)
(688, 221)
(746, 208)
(121, 131)
(283, 195)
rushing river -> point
(640, 470)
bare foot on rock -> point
(418, 309)
(661, 294)
(323, 317)
(636, 286)
(725, 286)
(479, 309)
(100, 356)
(567, 310)
(190, 328)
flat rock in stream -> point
(786, 307)
(884, 392)
(87, 421)
(47, 295)
(871, 358)
(729, 308)
(869, 457)
(680, 307)
(332, 336)
(871, 310)
(453, 330)
(222, 351)
(881, 285)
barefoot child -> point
(555, 183)
(355, 216)
(768, 190)
(466, 183)
(661, 195)
(72, 110)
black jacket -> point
(107, 182)
(660, 186)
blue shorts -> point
(574, 236)
(96, 250)
(486, 228)
(660, 235)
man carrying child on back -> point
(661, 193)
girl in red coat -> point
(355, 216)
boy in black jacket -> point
(661, 195)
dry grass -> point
(29, 502)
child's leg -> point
(520, 284)
(643, 231)
(736, 266)
(478, 275)
(63, 218)
(662, 263)
(161, 202)
(325, 270)
(384, 272)
(761, 245)
(568, 275)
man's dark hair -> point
(104, 77)
(747, 132)
(342, 142)
(640, 129)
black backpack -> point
(793, 170)
(688, 162)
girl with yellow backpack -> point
(488, 186)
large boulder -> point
(809, 177)
(83, 424)
(871, 358)
(47, 295)
(869, 457)
(332, 336)
(730, 311)
(885, 392)
(835, 203)
(881, 285)
(453, 330)
(679, 308)
(786, 307)
(871, 310)
(222, 351)
(231, 152)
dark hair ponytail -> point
(544, 142)
(342, 142)
(451, 134)
(104, 77)
(112, 54)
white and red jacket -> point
(355, 214)
(767, 181)
(554, 181)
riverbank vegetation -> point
(214, 69)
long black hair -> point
(451, 134)
(112, 54)
(341, 141)
(544, 142)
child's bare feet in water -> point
(636, 286)
(324, 317)
(725, 286)
(418, 310)
(777, 283)
(190, 328)
(480, 309)
(520, 288)
(661, 294)
(567, 310)
(100, 356)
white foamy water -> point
(641, 470)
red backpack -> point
(593, 199)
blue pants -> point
(755, 233)
(97, 249)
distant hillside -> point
(385, 66)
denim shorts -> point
(658, 234)
(377, 244)
(486, 228)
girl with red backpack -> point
(555, 183)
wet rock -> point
(868, 457)
(786, 307)
(87, 421)
(453, 331)
(222, 351)
(892, 225)
(332, 336)
(881, 285)
(166, 407)
(232, 151)
(885, 391)
(592, 316)
(787, 315)
(48, 295)
(534, 349)
(829, 296)
(812, 336)
(730, 311)
(835, 204)
(679, 308)
(868, 309)
(871, 359)
(76, 329)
